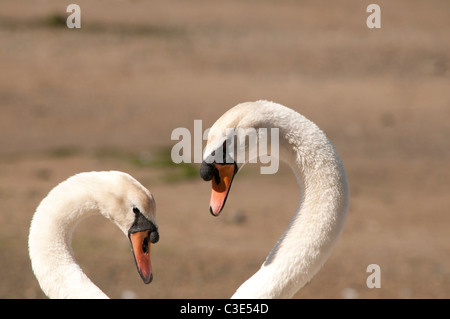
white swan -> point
(316, 225)
(118, 197)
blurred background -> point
(108, 95)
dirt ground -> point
(108, 95)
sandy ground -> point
(108, 95)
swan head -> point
(220, 163)
(133, 210)
(229, 148)
(117, 196)
(240, 136)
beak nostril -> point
(145, 245)
(216, 176)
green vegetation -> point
(161, 159)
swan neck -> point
(318, 221)
(51, 254)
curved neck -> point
(51, 254)
(316, 225)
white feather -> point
(316, 225)
(113, 194)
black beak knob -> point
(207, 171)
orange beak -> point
(221, 185)
(140, 243)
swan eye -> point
(136, 210)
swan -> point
(314, 229)
(118, 197)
